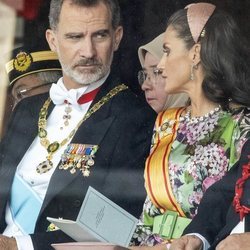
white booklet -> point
(99, 219)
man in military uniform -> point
(31, 71)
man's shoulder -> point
(31, 105)
(37, 99)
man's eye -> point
(20, 94)
(101, 35)
(73, 37)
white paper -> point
(99, 219)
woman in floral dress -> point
(195, 146)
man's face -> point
(85, 42)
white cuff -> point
(24, 242)
(206, 245)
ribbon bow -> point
(59, 94)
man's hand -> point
(7, 243)
(235, 242)
(187, 242)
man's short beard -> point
(86, 76)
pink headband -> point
(198, 15)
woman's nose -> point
(147, 84)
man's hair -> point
(56, 6)
(49, 76)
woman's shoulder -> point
(240, 114)
(241, 117)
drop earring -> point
(193, 66)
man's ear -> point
(195, 54)
(51, 39)
(118, 37)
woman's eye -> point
(166, 51)
(157, 72)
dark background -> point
(142, 20)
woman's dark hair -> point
(225, 57)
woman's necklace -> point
(51, 148)
(193, 120)
(196, 128)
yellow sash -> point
(156, 173)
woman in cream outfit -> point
(150, 77)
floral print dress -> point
(202, 152)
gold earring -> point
(193, 66)
(192, 72)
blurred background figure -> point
(31, 71)
(150, 78)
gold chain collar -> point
(54, 146)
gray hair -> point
(49, 76)
(56, 6)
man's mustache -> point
(88, 62)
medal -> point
(44, 167)
(77, 156)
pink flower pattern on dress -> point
(206, 160)
(208, 182)
(210, 159)
(197, 131)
